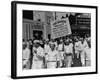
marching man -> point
(84, 52)
(88, 54)
(38, 55)
(26, 57)
(68, 48)
(61, 53)
(82, 48)
(77, 47)
(51, 57)
(46, 50)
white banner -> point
(60, 28)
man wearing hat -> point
(38, 55)
(51, 57)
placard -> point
(60, 28)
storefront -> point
(33, 29)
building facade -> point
(39, 27)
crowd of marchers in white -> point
(71, 51)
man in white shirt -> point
(88, 56)
(38, 55)
(88, 53)
(51, 57)
(77, 47)
(26, 57)
(84, 49)
(68, 49)
(61, 53)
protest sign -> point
(60, 28)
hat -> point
(51, 43)
(36, 41)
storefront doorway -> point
(37, 34)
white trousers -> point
(88, 63)
(82, 55)
(51, 65)
(61, 57)
(37, 64)
(68, 61)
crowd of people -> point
(63, 52)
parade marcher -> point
(56, 53)
(26, 57)
(31, 54)
(84, 50)
(77, 47)
(38, 55)
(68, 48)
(51, 58)
(81, 51)
(88, 54)
(46, 50)
(61, 53)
